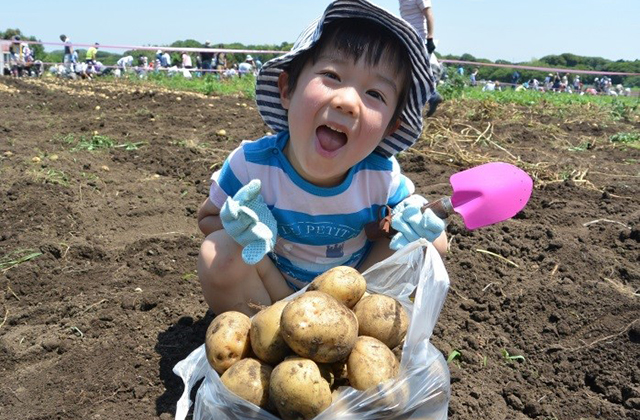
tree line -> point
(566, 60)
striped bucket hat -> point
(268, 95)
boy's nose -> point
(346, 100)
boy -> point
(344, 100)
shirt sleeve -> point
(228, 180)
(401, 187)
(423, 4)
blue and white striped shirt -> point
(318, 227)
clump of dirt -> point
(543, 309)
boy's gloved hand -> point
(412, 224)
(248, 220)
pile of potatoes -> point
(292, 355)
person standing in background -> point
(221, 61)
(473, 77)
(68, 52)
(577, 84)
(419, 15)
(515, 78)
(207, 58)
(90, 58)
(166, 60)
(186, 60)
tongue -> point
(330, 139)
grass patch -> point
(18, 257)
(627, 139)
(207, 85)
(94, 142)
(52, 176)
(97, 142)
(557, 104)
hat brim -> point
(422, 86)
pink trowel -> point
(482, 195)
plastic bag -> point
(421, 390)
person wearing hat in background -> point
(207, 58)
(284, 208)
(577, 84)
(158, 61)
(16, 56)
(247, 66)
(124, 64)
(419, 14)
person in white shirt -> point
(490, 86)
(186, 61)
(419, 15)
(124, 62)
(246, 67)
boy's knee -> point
(220, 258)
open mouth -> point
(330, 138)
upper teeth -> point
(335, 129)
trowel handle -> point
(382, 227)
(441, 207)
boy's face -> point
(338, 114)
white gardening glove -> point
(413, 224)
(248, 220)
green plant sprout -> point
(585, 145)
(454, 356)
(189, 276)
(18, 257)
(130, 145)
(511, 358)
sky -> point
(513, 30)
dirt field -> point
(92, 327)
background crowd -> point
(208, 61)
(24, 61)
(85, 64)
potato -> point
(227, 340)
(382, 317)
(249, 379)
(266, 341)
(297, 389)
(394, 397)
(344, 283)
(317, 326)
(370, 363)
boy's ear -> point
(283, 86)
(394, 127)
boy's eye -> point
(376, 95)
(330, 75)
